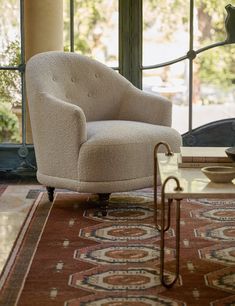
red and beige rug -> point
(70, 256)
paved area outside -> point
(202, 114)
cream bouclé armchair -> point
(93, 131)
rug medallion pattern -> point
(86, 260)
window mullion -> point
(130, 40)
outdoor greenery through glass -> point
(167, 37)
(10, 81)
(95, 29)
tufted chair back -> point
(79, 80)
(93, 131)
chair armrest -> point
(59, 129)
(137, 105)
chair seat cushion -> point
(118, 150)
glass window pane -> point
(10, 107)
(166, 37)
(165, 30)
(214, 91)
(214, 73)
(95, 29)
(172, 83)
(10, 33)
(209, 22)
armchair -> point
(93, 131)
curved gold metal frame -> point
(165, 222)
(163, 230)
(169, 153)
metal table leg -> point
(169, 153)
(163, 230)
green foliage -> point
(217, 67)
(91, 20)
(10, 87)
(10, 95)
(87, 15)
(166, 13)
(9, 127)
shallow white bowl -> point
(219, 174)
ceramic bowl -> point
(219, 174)
(231, 153)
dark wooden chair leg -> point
(104, 202)
(50, 192)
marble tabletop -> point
(194, 183)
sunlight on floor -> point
(14, 207)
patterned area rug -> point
(70, 256)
